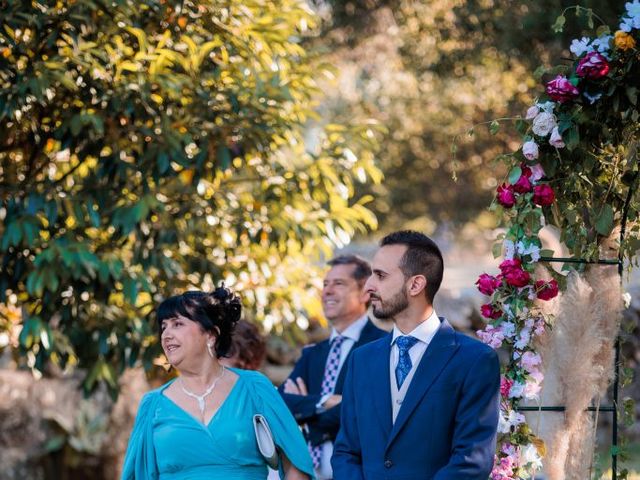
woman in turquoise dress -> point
(200, 425)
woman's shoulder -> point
(154, 394)
(253, 379)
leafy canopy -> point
(156, 146)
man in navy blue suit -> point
(313, 391)
(422, 402)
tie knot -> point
(337, 341)
(405, 342)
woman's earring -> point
(209, 345)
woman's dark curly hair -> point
(216, 312)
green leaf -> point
(515, 174)
(130, 290)
(224, 157)
(589, 18)
(632, 94)
(571, 137)
(494, 127)
(604, 221)
(558, 26)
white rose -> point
(516, 390)
(530, 150)
(532, 112)
(544, 123)
(556, 139)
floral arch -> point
(576, 171)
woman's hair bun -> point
(228, 303)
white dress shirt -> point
(424, 333)
(352, 335)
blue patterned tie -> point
(404, 342)
(329, 380)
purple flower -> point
(560, 89)
(592, 66)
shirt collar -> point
(424, 332)
(353, 331)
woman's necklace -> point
(200, 398)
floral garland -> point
(552, 131)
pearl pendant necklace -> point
(201, 398)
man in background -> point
(313, 391)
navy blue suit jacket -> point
(310, 367)
(446, 426)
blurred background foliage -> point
(152, 147)
(431, 71)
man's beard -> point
(393, 306)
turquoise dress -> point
(167, 443)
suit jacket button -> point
(388, 463)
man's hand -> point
(332, 401)
(297, 388)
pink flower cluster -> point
(506, 464)
(543, 194)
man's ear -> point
(417, 285)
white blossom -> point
(509, 249)
(602, 45)
(633, 8)
(626, 298)
(544, 123)
(580, 47)
(592, 98)
(516, 390)
(530, 456)
(546, 106)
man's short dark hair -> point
(362, 269)
(423, 257)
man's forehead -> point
(389, 257)
(342, 271)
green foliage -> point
(152, 147)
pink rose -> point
(530, 361)
(537, 172)
(505, 195)
(543, 195)
(561, 90)
(488, 311)
(530, 150)
(546, 290)
(505, 386)
(555, 140)
(523, 185)
(532, 112)
(513, 273)
(592, 66)
(487, 284)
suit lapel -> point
(365, 337)
(380, 382)
(435, 358)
